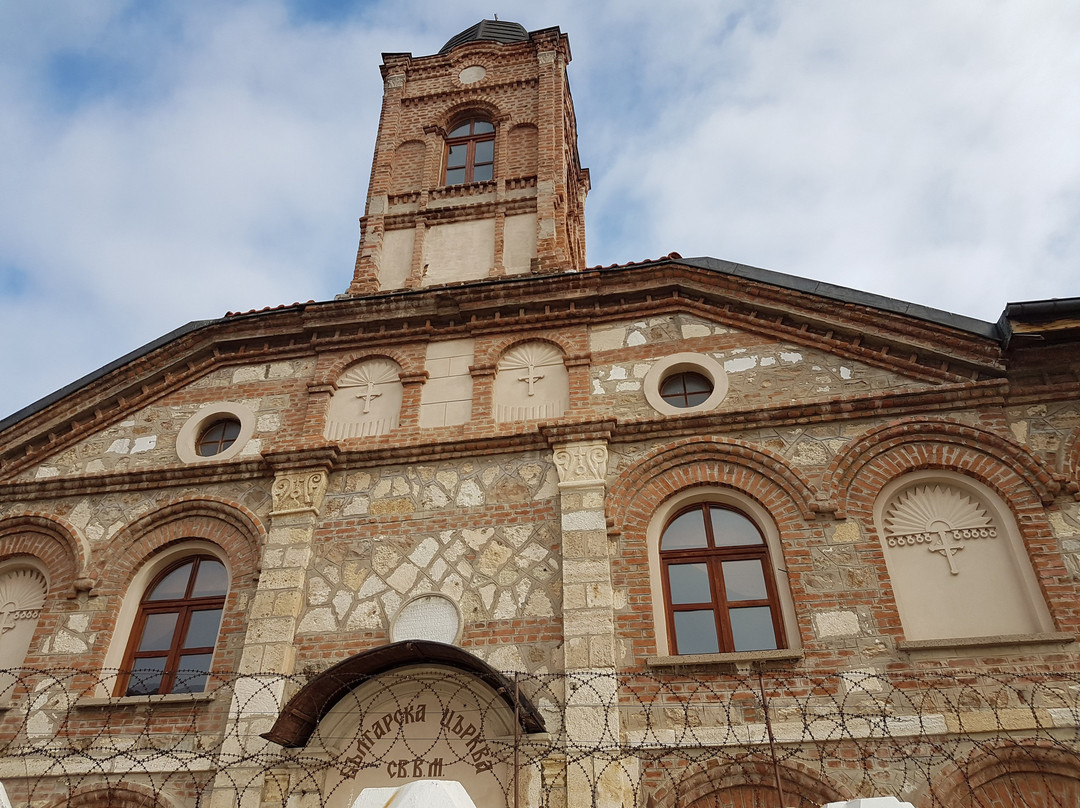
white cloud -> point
(218, 158)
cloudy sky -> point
(169, 161)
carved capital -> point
(299, 492)
(581, 464)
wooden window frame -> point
(681, 398)
(184, 607)
(221, 443)
(470, 142)
(713, 557)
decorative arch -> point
(1016, 775)
(367, 399)
(1071, 462)
(411, 364)
(299, 718)
(52, 541)
(531, 381)
(119, 795)
(920, 443)
(229, 525)
(478, 107)
(493, 351)
(761, 474)
(720, 472)
(718, 784)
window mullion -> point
(720, 607)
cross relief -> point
(939, 518)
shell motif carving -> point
(940, 518)
(531, 383)
(581, 464)
(296, 493)
(367, 401)
(22, 595)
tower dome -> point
(488, 31)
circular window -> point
(686, 389)
(217, 437)
(685, 382)
(218, 432)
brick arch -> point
(1071, 462)
(759, 473)
(494, 351)
(476, 107)
(229, 525)
(719, 784)
(329, 374)
(119, 795)
(918, 443)
(1017, 775)
(52, 541)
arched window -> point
(175, 631)
(470, 152)
(719, 587)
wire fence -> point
(644, 739)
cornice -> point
(904, 345)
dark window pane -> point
(685, 531)
(146, 677)
(685, 389)
(455, 176)
(482, 173)
(455, 158)
(218, 437)
(173, 585)
(744, 580)
(482, 127)
(752, 628)
(689, 583)
(731, 529)
(461, 130)
(212, 579)
(192, 674)
(158, 632)
(203, 629)
(485, 152)
(695, 632)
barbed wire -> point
(668, 739)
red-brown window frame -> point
(713, 557)
(185, 607)
(470, 141)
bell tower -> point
(476, 172)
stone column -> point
(269, 654)
(592, 717)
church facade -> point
(677, 533)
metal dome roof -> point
(488, 31)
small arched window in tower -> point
(717, 583)
(172, 642)
(470, 152)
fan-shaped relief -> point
(367, 401)
(938, 518)
(956, 561)
(531, 383)
(22, 596)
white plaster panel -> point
(396, 258)
(460, 251)
(519, 243)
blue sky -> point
(173, 160)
